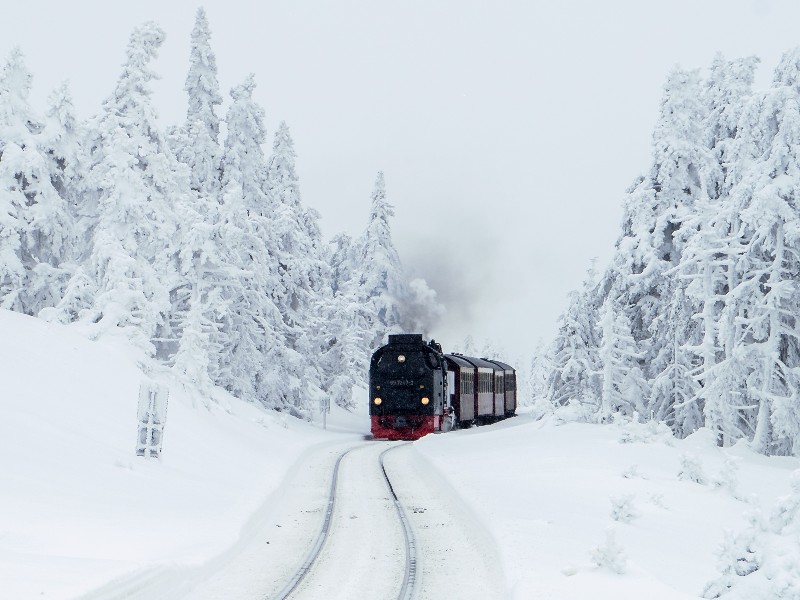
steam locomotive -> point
(415, 389)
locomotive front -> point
(407, 378)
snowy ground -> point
(520, 509)
(547, 492)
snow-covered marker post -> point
(152, 417)
(325, 408)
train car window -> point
(469, 383)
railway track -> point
(350, 515)
(410, 578)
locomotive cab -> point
(407, 381)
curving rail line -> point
(410, 577)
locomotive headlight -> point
(425, 400)
(377, 401)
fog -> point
(508, 131)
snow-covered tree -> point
(381, 287)
(138, 179)
(37, 227)
(297, 250)
(16, 123)
(625, 389)
(674, 391)
(196, 143)
(257, 362)
(575, 376)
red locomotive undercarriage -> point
(404, 427)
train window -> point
(468, 383)
(482, 383)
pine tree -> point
(575, 376)
(132, 258)
(257, 362)
(625, 389)
(674, 391)
(15, 115)
(196, 143)
(297, 249)
(381, 287)
(302, 268)
(37, 225)
(207, 270)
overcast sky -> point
(507, 131)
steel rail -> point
(410, 579)
(304, 569)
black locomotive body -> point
(415, 389)
(407, 388)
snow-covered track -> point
(410, 579)
(323, 535)
(366, 547)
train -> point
(416, 389)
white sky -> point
(507, 130)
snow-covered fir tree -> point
(624, 389)
(37, 226)
(575, 373)
(258, 362)
(196, 143)
(381, 287)
(138, 180)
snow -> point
(79, 511)
(546, 493)
(78, 508)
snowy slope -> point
(546, 491)
(78, 509)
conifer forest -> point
(193, 243)
(695, 321)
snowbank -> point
(78, 508)
(623, 512)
